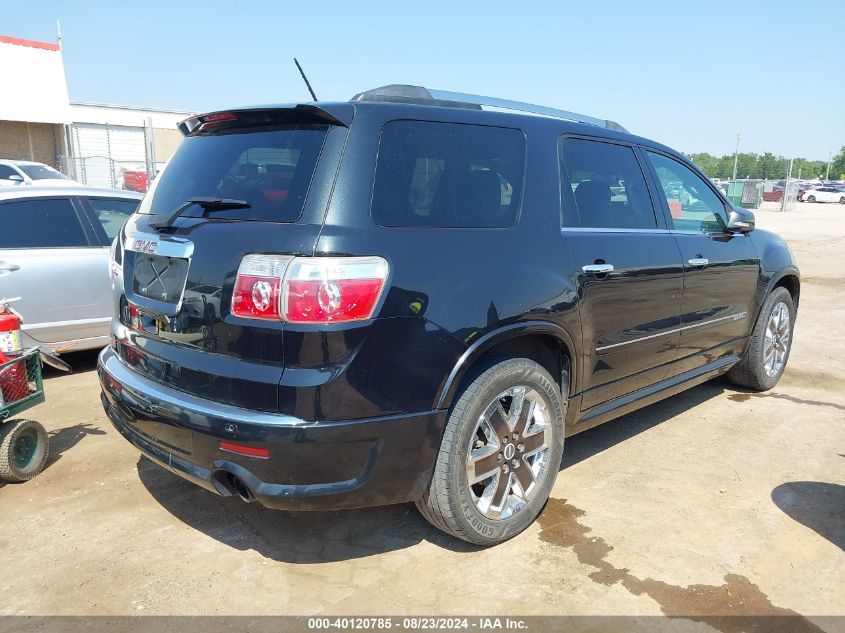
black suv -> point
(416, 296)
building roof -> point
(47, 46)
(110, 114)
(34, 83)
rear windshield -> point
(42, 172)
(448, 175)
(269, 169)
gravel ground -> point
(713, 502)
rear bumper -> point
(312, 465)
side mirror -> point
(15, 178)
(740, 220)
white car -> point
(24, 172)
(823, 194)
(54, 249)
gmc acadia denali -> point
(417, 295)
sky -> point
(688, 74)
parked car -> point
(823, 194)
(775, 195)
(134, 180)
(54, 253)
(425, 306)
(24, 172)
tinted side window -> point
(448, 175)
(113, 213)
(36, 223)
(608, 185)
(692, 204)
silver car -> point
(54, 251)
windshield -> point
(42, 172)
(268, 168)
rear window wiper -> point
(207, 204)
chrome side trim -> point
(28, 327)
(587, 229)
(731, 317)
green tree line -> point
(767, 165)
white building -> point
(105, 139)
(34, 105)
(90, 142)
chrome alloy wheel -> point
(508, 454)
(776, 342)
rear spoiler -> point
(332, 113)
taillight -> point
(115, 267)
(258, 286)
(332, 289)
(308, 289)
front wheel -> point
(764, 360)
(811, 198)
(23, 450)
(500, 454)
(842, 200)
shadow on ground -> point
(294, 537)
(818, 505)
(66, 438)
(317, 537)
(79, 362)
(600, 438)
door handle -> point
(597, 269)
(698, 262)
(8, 268)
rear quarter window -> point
(431, 174)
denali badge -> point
(144, 246)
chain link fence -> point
(103, 171)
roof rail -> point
(402, 93)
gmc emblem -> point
(144, 246)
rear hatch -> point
(242, 182)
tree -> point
(767, 166)
(706, 163)
(837, 166)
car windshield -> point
(42, 172)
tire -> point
(811, 198)
(753, 371)
(450, 503)
(24, 448)
(842, 200)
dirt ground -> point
(714, 501)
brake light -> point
(258, 286)
(309, 289)
(218, 117)
(332, 289)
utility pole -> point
(786, 186)
(736, 155)
(827, 172)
